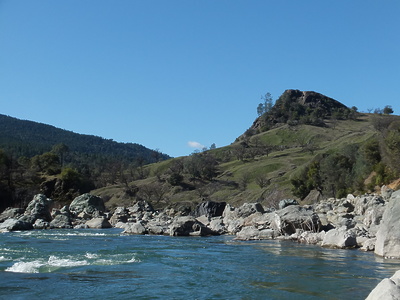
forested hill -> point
(28, 138)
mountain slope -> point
(28, 138)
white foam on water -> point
(134, 260)
(105, 262)
(55, 261)
(91, 255)
(3, 258)
(25, 267)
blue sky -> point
(172, 75)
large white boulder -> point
(388, 235)
(387, 289)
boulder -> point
(341, 219)
(156, 229)
(217, 225)
(11, 213)
(187, 225)
(14, 224)
(252, 233)
(61, 218)
(61, 221)
(294, 217)
(286, 202)
(120, 215)
(361, 204)
(134, 228)
(386, 192)
(388, 235)
(97, 223)
(368, 245)
(38, 208)
(88, 204)
(248, 209)
(340, 238)
(41, 224)
(312, 238)
(387, 289)
(210, 209)
(141, 206)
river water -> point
(104, 264)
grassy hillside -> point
(262, 167)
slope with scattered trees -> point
(305, 146)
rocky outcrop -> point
(387, 289)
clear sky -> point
(173, 75)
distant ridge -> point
(29, 138)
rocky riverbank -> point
(366, 222)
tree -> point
(61, 150)
(266, 105)
(388, 110)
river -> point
(104, 264)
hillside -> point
(28, 138)
(344, 152)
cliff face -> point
(301, 107)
